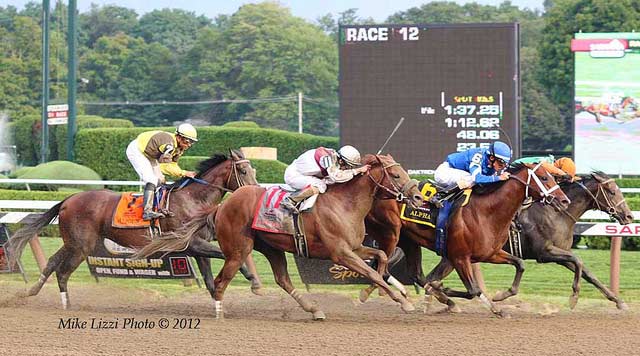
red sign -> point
(591, 45)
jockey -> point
(155, 153)
(562, 168)
(464, 169)
(313, 170)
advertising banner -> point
(607, 94)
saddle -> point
(128, 212)
(270, 216)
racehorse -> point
(476, 232)
(547, 234)
(334, 229)
(85, 220)
(625, 110)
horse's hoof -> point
(500, 296)
(622, 305)
(573, 300)
(454, 309)
(258, 291)
(318, 315)
(502, 314)
(407, 307)
(363, 296)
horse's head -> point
(392, 180)
(230, 172)
(607, 197)
(539, 184)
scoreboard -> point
(457, 86)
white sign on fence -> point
(57, 114)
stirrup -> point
(289, 205)
(167, 213)
(435, 202)
(150, 215)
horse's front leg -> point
(503, 257)
(591, 278)
(433, 286)
(563, 257)
(354, 260)
(387, 238)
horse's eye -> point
(395, 176)
(243, 171)
(544, 178)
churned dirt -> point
(275, 325)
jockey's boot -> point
(148, 214)
(292, 200)
(437, 199)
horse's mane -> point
(210, 162)
(482, 189)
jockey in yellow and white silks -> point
(155, 153)
(313, 170)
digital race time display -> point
(457, 86)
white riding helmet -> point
(350, 155)
(188, 131)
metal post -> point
(299, 112)
(72, 84)
(614, 270)
(45, 81)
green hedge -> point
(103, 149)
(57, 170)
(267, 171)
(245, 124)
(28, 139)
(6, 194)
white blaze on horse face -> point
(543, 189)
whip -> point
(390, 136)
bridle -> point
(611, 207)
(547, 198)
(398, 193)
(234, 173)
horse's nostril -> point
(566, 201)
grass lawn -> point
(540, 281)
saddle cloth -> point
(426, 214)
(128, 212)
(270, 216)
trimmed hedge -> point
(7, 194)
(27, 135)
(103, 149)
(245, 124)
(267, 171)
(60, 170)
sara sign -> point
(607, 102)
(609, 229)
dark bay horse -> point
(547, 234)
(85, 220)
(334, 229)
(475, 232)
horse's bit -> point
(398, 193)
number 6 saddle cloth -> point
(426, 214)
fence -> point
(613, 230)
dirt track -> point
(274, 325)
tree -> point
(173, 28)
(265, 52)
(107, 20)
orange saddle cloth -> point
(128, 213)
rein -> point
(611, 208)
(546, 193)
(234, 172)
(398, 193)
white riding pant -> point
(149, 172)
(447, 176)
(299, 181)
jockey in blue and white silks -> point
(475, 166)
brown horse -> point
(334, 229)
(475, 232)
(85, 220)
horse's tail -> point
(19, 240)
(180, 239)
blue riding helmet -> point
(500, 150)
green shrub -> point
(597, 242)
(59, 170)
(267, 171)
(245, 124)
(92, 145)
(6, 194)
(631, 243)
(59, 133)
